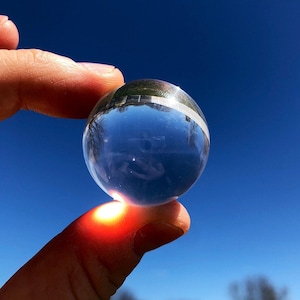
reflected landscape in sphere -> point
(146, 143)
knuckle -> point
(32, 58)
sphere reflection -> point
(146, 143)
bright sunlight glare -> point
(110, 213)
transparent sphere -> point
(146, 143)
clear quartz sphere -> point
(146, 143)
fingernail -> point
(98, 68)
(154, 235)
(3, 19)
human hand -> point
(47, 83)
(92, 257)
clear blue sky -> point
(240, 60)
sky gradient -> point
(239, 59)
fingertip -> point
(114, 79)
(183, 219)
(165, 224)
(110, 77)
(103, 70)
(9, 34)
(173, 213)
(94, 82)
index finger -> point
(51, 84)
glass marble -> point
(146, 143)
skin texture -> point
(92, 257)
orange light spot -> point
(110, 213)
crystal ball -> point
(146, 143)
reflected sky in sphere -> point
(146, 148)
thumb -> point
(93, 256)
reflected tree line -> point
(252, 288)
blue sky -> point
(239, 59)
